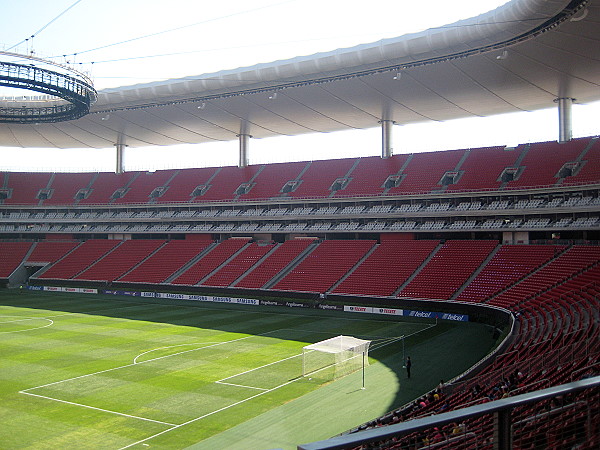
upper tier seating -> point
(226, 182)
(122, 259)
(105, 185)
(319, 177)
(235, 268)
(211, 261)
(65, 187)
(185, 182)
(25, 187)
(141, 187)
(482, 168)
(590, 172)
(474, 169)
(283, 255)
(166, 261)
(448, 270)
(543, 161)
(79, 259)
(272, 178)
(324, 266)
(11, 256)
(51, 251)
(425, 170)
(387, 268)
(370, 175)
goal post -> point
(335, 357)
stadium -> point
(276, 305)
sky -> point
(126, 42)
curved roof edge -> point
(512, 23)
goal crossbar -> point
(345, 354)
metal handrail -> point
(404, 428)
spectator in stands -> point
(438, 435)
(408, 366)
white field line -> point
(21, 320)
(242, 386)
(221, 381)
(203, 344)
(28, 329)
(142, 441)
(210, 413)
(27, 391)
(51, 321)
(98, 409)
(132, 364)
(260, 367)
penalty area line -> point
(241, 385)
(99, 409)
(210, 414)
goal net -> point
(335, 357)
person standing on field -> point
(408, 366)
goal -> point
(335, 357)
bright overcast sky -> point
(125, 42)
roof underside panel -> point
(520, 56)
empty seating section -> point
(325, 265)
(509, 265)
(425, 170)
(479, 169)
(272, 178)
(11, 256)
(575, 259)
(142, 186)
(482, 168)
(51, 251)
(166, 261)
(79, 259)
(369, 176)
(105, 185)
(25, 187)
(544, 160)
(65, 187)
(387, 268)
(235, 268)
(590, 170)
(448, 269)
(122, 259)
(320, 176)
(227, 181)
(211, 261)
(283, 255)
(181, 187)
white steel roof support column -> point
(244, 144)
(565, 125)
(386, 138)
(120, 146)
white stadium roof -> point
(519, 57)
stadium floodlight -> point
(337, 357)
(67, 93)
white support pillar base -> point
(565, 119)
(244, 145)
(120, 147)
(387, 150)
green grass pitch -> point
(101, 372)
